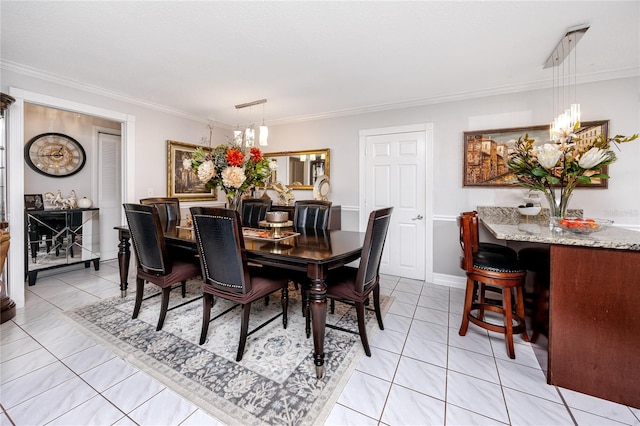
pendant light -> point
(562, 83)
(248, 135)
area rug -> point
(274, 383)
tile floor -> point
(421, 371)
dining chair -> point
(356, 285)
(253, 210)
(168, 209)
(225, 271)
(311, 214)
(495, 270)
(154, 264)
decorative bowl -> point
(277, 217)
(529, 211)
(578, 225)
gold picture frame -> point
(486, 152)
(181, 183)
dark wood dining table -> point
(314, 252)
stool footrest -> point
(518, 328)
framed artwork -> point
(33, 202)
(486, 152)
(182, 183)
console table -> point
(594, 326)
(58, 238)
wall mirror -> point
(299, 169)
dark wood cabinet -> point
(335, 216)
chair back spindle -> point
(254, 210)
(311, 214)
(168, 210)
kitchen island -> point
(594, 303)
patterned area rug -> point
(274, 383)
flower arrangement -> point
(231, 168)
(562, 164)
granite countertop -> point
(506, 223)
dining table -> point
(594, 298)
(314, 252)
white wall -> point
(617, 101)
(39, 120)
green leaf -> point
(539, 171)
(584, 179)
(600, 176)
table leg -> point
(318, 311)
(124, 255)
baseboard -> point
(450, 280)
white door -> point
(109, 196)
(394, 175)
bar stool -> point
(484, 247)
(538, 260)
(495, 270)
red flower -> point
(256, 155)
(234, 157)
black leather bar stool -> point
(538, 259)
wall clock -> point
(55, 155)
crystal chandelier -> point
(564, 89)
(247, 136)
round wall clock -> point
(55, 155)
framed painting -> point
(33, 202)
(486, 152)
(182, 183)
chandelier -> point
(247, 135)
(564, 83)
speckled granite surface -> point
(506, 223)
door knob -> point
(419, 217)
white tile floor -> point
(421, 372)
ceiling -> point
(310, 59)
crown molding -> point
(460, 96)
(412, 103)
(63, 81)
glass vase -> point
(234, 200)
(558, 204)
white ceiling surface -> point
(310, 59)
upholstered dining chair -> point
(495, 270)
(154, 263)
(253, 210)
(225, 271)
(311, 214)
(168, 209)
(356, 285)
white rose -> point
(593, 157)
(233, 177)
(206, 171)
(273, 165)
(186, 163)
